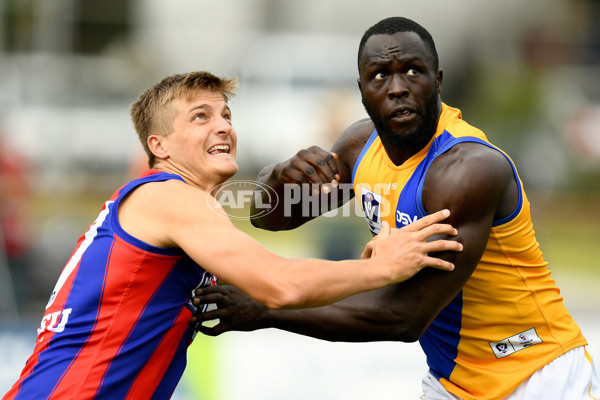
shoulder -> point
(472, 159)
(163, 194)
(356, 135)
(351, 142)
(177, 199)
(469, 175)
(155, 211)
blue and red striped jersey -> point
(116, 324)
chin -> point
(232, 171)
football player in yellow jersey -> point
(495, 327)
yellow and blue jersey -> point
(509, 319)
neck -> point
(189, 178)
(401, 148)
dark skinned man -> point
(496, 326)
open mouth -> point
(219, 149)
(402, 114)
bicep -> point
(470, 183)
(198, 225)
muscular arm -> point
(476, 183)
(173, 214)
(308, 170)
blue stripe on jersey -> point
(63, 348)
(409, 201)
(363, 152)
(451, 142)
(165, 388)
(442, 353)
(161, 311)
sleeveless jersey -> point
(509, 319)
(116, 325)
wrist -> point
(382, 273)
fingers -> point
(428, 220)
(438, 263)
(312, 165)
(436, 229)
(442, 245)
(204, 296)
(385, 230)
(368, 251)
(211, 298)
(210, 330)
(209, 315)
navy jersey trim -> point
(116, 225)
(451, 143)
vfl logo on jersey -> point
(515, 343)
(371, 205)
(52, 322)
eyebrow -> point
(403, 59)
(205, 106)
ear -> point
(157, 145)
(438, 80)
(359, 84)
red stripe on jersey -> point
(116, 318)
(45, 335)
(152, 373)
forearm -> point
(355, 319)
(276, 205)
(313, 282)
(270, 194)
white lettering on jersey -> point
(515, 343)
(70, 267)
(404, 218)
(54, 326)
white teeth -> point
(219, 148)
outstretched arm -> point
(477, 184)
(196, 223)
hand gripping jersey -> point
(116, 325)
(509, 319)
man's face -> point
(203, 141)
(400, 88)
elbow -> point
(259, 223)
(264, 223)
(283, 297)
(409, 336)
(283, 302)
(409, 331)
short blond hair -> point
(152, 113)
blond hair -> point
(152, 113)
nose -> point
(223, 125)
(397, 87)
